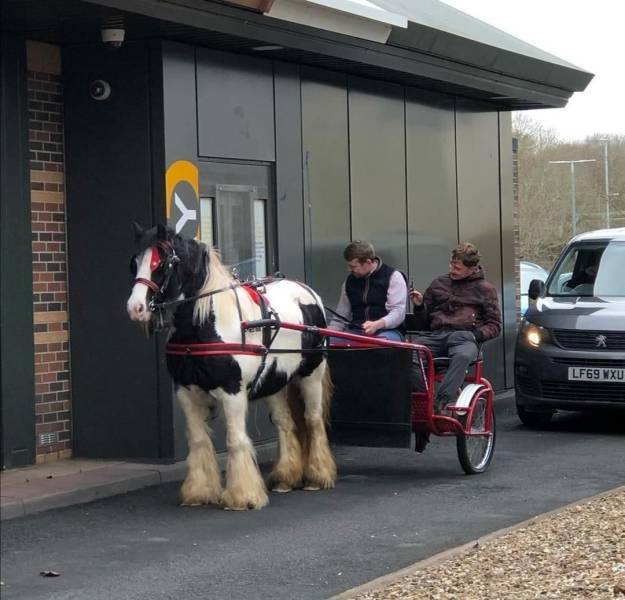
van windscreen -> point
(591, 269)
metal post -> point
(573, 208)
(607, 190)
(572, 167)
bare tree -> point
(545, 213)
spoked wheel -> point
(476, 451)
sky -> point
(587, 34)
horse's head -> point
(154, 269)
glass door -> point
(237, 216)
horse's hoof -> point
(199, 499)
(230, 503)
(281, 488)
(312, 487)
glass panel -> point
(610, 280)
(206, 221)
(260, 238)
(575, 276)
(241, 230)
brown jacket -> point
(468, 304)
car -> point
(570, 349)
(529, 271)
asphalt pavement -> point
(391, 508)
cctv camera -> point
(113, 37)
(100, 89)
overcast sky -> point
(589, 34)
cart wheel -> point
(476, 452)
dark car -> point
(570, 350)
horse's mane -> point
(224, 303)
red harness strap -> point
(215, 349)
(255, 295)
(222, 348)
(147, 282)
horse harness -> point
(168, 264)
(256, 291)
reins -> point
(270, 319)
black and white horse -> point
(297, 386)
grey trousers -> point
(460, 347)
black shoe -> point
(440, 404)
(421, 440)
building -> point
(276, 129)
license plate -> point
(604, 374)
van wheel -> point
(534, 419)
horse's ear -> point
(137, 230)
(161, 232)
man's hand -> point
(370, 327)
(416, 297)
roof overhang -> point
(420, 55)
(355, 19)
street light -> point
(607, 191)
(572, 163)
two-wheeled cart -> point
(375, 405)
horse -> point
(183, 284)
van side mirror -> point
(537, 288)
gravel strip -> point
(577, 553)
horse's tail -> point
(328, 389)
(297, 408)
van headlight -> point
(534, 335)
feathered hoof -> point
(320, 478)
(315, 486)
(241, 501)
(280, 487)
(198, 499)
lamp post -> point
(607, 191)
(572, 164)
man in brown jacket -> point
(461, 310)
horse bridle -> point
(168, 263)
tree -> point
(545, 213)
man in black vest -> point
(373, 297)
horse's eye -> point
(133, 266)
(155, 261)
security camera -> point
(113, 37)
(100, 89)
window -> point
(238, 215)
(235, 221)
(591, 269)
(207, 234)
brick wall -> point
(51, 322)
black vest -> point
(368, 295)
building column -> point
(49, 253)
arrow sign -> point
(188, 214)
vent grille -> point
(583, 391)
(528, 386)
(48, 438)
(588, 362)
(576, 339)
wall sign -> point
(182, 198)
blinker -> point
(156, 259)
